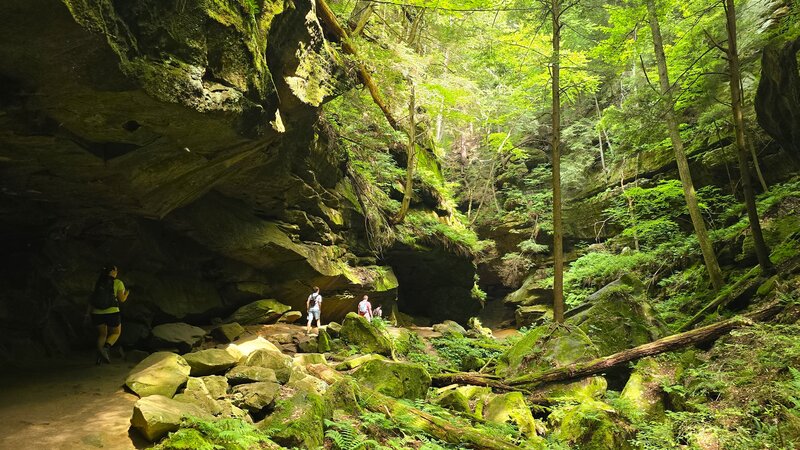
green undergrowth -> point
(228, 434)
(742, 394)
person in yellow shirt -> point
(108, 293)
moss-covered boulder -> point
(277, 361)
(227, 332)
(367, 338)
(211, 361)
(511, 407)
(452, 398)
(266, 310)
(587, 388)
(179, 335)
(590, 424)
(546, 347)
(161, 373)
(323, 341)
(395, 379)
(197, 393)
(526, 316)
(254, 397)
(333, 329)
(357, 361)
(298, 419)
(248, 346)
(619, 316)
(449, 327)
(156, 415)
(644, 389)
(250, 374)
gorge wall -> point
(182, 142)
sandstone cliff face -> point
(180, 141)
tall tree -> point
(411, 153)
(762, 252)
(714, 272)
(558, 232)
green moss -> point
(546, 347)
(395, 379)
(297, 420)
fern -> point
(345, 436)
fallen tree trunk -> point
(456, 432)
(471, 378)
(746, 282)
(669, 343)
(329, 18)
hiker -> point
(314, 307)
(108, 293)
(365, 308)
(377, 312)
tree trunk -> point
(454, 431)
(667, 344)
(359, 17)
(558, 243)
(714, 272)
(762, 252)
(600, 134)
(471, 378)
(329, 19)
(411, 152)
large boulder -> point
(357, 331)
(197, 393)
(161, 373)
(250, 374)
(395, 379)
(211, 361)
(644, 389)
(156, 415)
(619, 316)
(546, 347)
(247, 346)
(590, 424)
(526, 316)
(275, 360)
(511, 407)
(298, 419)
(290, 317)
(227, 332)
(449, 327)
(260, 311)
(179, 335)
(255, 396)
(357, 361)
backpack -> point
(362, 307)
(103, 296)
(315, 300)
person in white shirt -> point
(314, 308)
(365, 308)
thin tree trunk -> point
(714, 272)
(329, 19)
(764, 186)
(762, 252)
(558, 232)
(600, 134)
(359, 17)
(411, 153)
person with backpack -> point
(365, 308)
(104, 302)
(314, 308)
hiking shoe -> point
(104, 355)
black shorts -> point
(110, 320)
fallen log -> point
(455, 431)
(667, 344)
(472, 378)
(750, 279)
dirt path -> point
(65, 405)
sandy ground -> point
(66, 404)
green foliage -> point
(457, 350)
(345, 436)
(228, 434)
